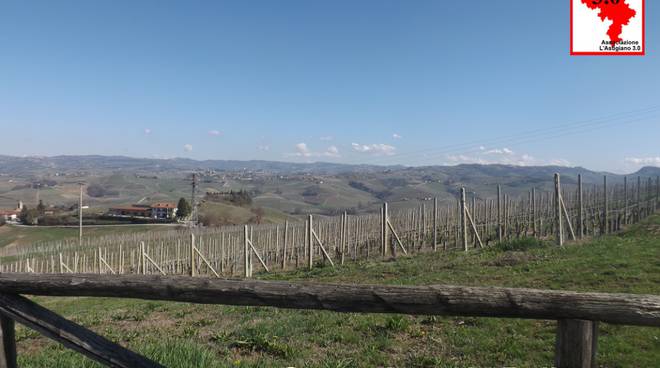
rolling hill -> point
(282, 189)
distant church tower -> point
(20, 206)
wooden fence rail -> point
(577, 313)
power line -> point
(514, 143)
(568, 128)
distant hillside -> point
(33, 165)
(280, 188)
(37, 165)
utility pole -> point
(194, 216)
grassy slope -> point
(184, 335)
(28, 235)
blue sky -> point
(409, 82)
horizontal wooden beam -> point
(628, 309)
(70, 334)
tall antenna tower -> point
(194, 216)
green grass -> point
(186, 335)
(16, 235)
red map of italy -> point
(619, 13)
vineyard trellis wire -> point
(231, 250)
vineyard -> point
(568, 212)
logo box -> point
(608, 27)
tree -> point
(41, 208)
(29, 216)
(184, 209)
(258, 215)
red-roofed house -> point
(163, 210)
(159, 211)
(11, 215)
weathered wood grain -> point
(8, 347)
(626, 309)
(70, 334)
(576, 344)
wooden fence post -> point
(8, 348)
(558, 219)
(463, 221)
(576, 343)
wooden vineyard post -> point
(310, 248)
(246, 253)
(580, 208)
(193, 271)
(558, 219)
(576, 343)
(385, 232)
(142, 259)
(625, 200)
(463, 221)
(534, 229)
(568, 218)
(638, 214)
(344, 236)
(311, 236)
(8, 348)
(286, 238)
(657, 192)
(435, 224)
(605, 207)
(445, 242)
(499, 213)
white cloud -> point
(640, 161)
(396, 136)
(187, 147)
(498, 151)
(377, 149)
(263, 147)
(303, 151)
(559, 162)
(215, 133)
(502, 156)
(327, 138)
(147, 131)
(332, 151)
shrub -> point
(98, 191)
(522, 244)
